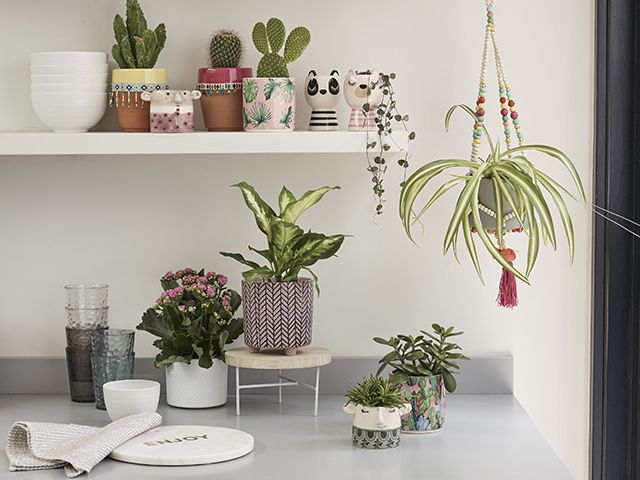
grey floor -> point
(486, 437)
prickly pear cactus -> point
(137, 46)
(225, 49)
(269, 40)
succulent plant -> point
(137, 46)
(375, 391)
(269, 40)
(225, 49)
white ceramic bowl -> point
(68, 58)
(50, 78)
(69, 113)
(69, 88)
(69, 69)
(128, 397)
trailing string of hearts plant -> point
(503, 192)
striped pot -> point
(277, 315)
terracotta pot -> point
(221, 100)
(278, 315)
(126, 89)
(269, 104)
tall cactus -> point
(137, 46)
(225, 49)
(269, 40)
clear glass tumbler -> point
(87, 295)
(107, 368)
(87, 317)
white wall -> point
(126, 220)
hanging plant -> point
(501, 193)
(387, 119)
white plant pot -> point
(190, 386)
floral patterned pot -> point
(126, 89)
(376, 428)
(426, 395)
(277, 315)
(221, 100)
(269, 104)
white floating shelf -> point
(119, 143)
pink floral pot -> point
(269, 104)
(277, 315)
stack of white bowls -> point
(69, 89)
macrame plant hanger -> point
(508, 292)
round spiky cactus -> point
(225, 49)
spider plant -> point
(517, 183)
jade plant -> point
(387, 119)
(517, 184)
(375, 391)
(193, 318)
(225, 49)
(269, 40)
(290, 249)
(137, 46)
(423, 355)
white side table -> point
(307, 357)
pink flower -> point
(182, 308)
(226, 302)
(202, 287)
(211, 274)
(211, 292)
(179, 290)
(222, 280)
(172, 293)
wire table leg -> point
(279, 386)
(316, 391)
(238, 391)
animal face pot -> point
(322, 95)
(376, 428)
(171, 110)
(361, 88)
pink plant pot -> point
(221, 100)
(269, 104)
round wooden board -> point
(307, 357)
(185, 445)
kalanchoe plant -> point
(289, 248)
(225, 49)
(388, 119)
(424, 355)
(517, 183)
(269, 40)
(137, 46)
(375, 391)
(193, 318)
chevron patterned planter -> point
(277, 315)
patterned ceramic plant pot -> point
(191, 386)
(269, 104)
(426, 395)
(171, 110)
(126, 89)
(277, 315)
(361, 88)
(322, 93)
(221, 102)
(376, 428)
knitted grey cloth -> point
(77, 448)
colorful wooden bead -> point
(514, 115)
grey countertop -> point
(485, 437)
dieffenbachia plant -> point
(517, 182)
(289, 248)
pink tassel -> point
(508, 291)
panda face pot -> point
(376, 428)
(322, 93)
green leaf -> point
(284, 234)
(266, 254)
(564, 214)
(472, 114)
(259, 36)
(444, 188)
(263, 213)
(295, 208)
(239, 258)
(315, 279)
(275, 34)
(296, 43)
(285, 198)
(471, 246)
(499, 205)
(153, 323)
(258, 273)
(312, 247)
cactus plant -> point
(137, 46)
(269, 40)
(225, 49)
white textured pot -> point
(190, 386)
